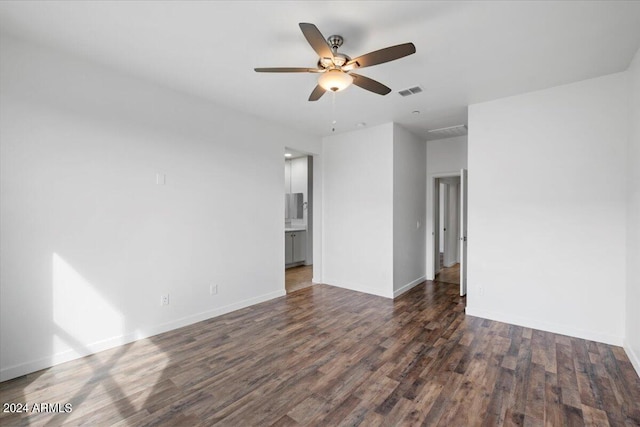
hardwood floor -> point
(449, 274)
(329, 356)
(298, 278)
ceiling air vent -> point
(410, 91)
(447, 132)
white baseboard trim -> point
(68, 355)
(545, 326)
(358, 288)
(632, 355)
(408, 286)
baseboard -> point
(358, 288)
(545, 326)
(66, 356)
(372, 291)
(294, 264)
(408, 286)
(632, 355)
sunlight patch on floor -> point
(80, 314)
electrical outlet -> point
(213, 289)
(481, 291)
(164, 299)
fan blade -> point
(288, 70)
(317, 93)
(316, 40)
(369, 84)
(381, 56)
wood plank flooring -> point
(298, 277)
(449, 274)
(333, 357)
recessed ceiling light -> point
(416, 112)
(287, 154)
(361, 124)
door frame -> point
(464, 213)
(314, 214)
(433, 231)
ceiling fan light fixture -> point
(335, 67)
(335, 80)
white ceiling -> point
(467, 52)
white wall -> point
(374, 187)
(547, 208)
(445, 157)
(632, 333)
(287, 176)
(90, 241)
(309, 212)
(409, 193)
(357, 246)
(316, 218)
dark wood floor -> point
(328, 356)
(298, 277)
(449, 274)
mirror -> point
(293, 206)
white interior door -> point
(463, 232)
(436, 227)
(444, 224)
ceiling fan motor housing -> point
(335, 41)
(339, 59)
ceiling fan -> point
(336, 68)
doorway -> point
(298, 220)
(447, 245)
(454, 230)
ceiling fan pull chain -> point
(333, 111)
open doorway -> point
(447, 218)
(298, 220)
